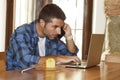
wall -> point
(2, 24)
(99, 18)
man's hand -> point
(60, 59)
(67, 30)
(67, 59)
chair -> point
(2, 61)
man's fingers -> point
(77, 59)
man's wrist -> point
(69, 37)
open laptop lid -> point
(95, 49)
(94, 52)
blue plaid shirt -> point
(23, 50)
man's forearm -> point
(71, 46)
(69, 39)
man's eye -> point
(55, 27)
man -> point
(34, 43)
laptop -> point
(94, 52)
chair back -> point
(2, 61)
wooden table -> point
(106, 71)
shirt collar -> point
(50, 40)
(34, 31)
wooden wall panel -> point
(87, 27)
(9, 21)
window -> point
(74, 12)
(24, 11)
(2, 24)
(87, 21)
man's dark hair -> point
(51, 11)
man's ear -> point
(42, 22)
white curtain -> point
(24, 11)
(2, 24)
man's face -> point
(53, 28)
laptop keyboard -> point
(69, 63)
